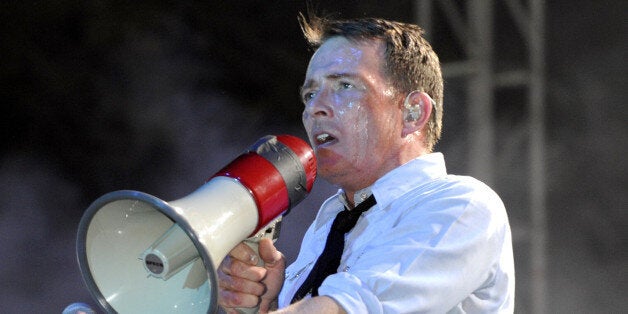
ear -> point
(417, 109)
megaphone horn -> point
(140, 254)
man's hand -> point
(244, 284)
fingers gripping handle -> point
(271, 231)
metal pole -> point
(480, 90)
(537, 163)
(423, 10)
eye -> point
(307, 96)
(345, 85)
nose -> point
(318, 106)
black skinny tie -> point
(329, 260)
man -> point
(432, 242)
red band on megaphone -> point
(265, 183)
(278, 170)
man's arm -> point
(316, 305)
(243, 284)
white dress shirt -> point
(433, 243)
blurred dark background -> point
(158, 95)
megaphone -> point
(140, 254)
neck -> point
(349, 198)
(410, 149)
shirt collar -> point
(392, 185)
(409, 176)
(358, 197)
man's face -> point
(351, 115)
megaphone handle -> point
(270, 231)
(253, 243)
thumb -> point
(269, 253)
(275, 265)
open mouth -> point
(324, 138)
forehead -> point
(340, 55)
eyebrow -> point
(332, 76)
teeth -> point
(322, 138)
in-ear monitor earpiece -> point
(412, 112)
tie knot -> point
(346, 219)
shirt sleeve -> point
(427, 256)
